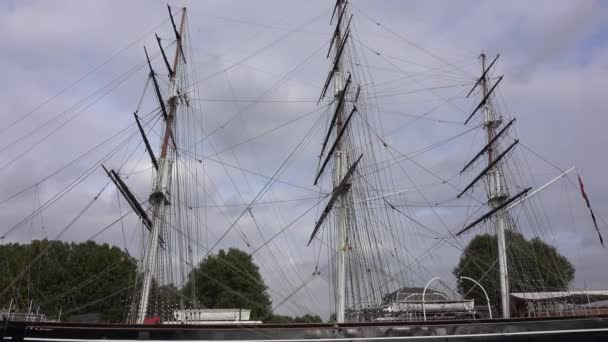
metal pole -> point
(423, 293)
(496, 196)
(158, 198)
(29, 311)
(502, 264)
(484, 292)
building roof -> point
(598, 304)
(415, 290)
(559, 294)
(390, 297)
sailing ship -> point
(365, 255)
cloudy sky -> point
(73, 75)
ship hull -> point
(547, 329)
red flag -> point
(580, 182)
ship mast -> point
(341, 164)
(159, 196)
(497, 193)
(341, 199)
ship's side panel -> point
(585, 329)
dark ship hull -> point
(545, 329)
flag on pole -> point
(580, 182)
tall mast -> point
(341, 199)
(497, 191)
(159, 195)
(340, 169)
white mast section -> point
(160, 193)
(497, 194)
(340, 169)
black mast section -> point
(488, 168)
(485, 98)
(156, 87)
(488, 145)
(178, 36)
(333, 147)
(343, 186)
(335, 116)
(493, 211)
(146, 142)
(336, 61)
(482, 76)
(160, 46)
(129, 197)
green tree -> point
(332, 318)
(282, 319)
(74, 278)
(230, 280)
(307, 318)
(533, 265)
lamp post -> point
(484, 292)
(423, 293)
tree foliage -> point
(282, 319)
(83, 278)
(231, 280)
(533, 265)
(75, 278)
